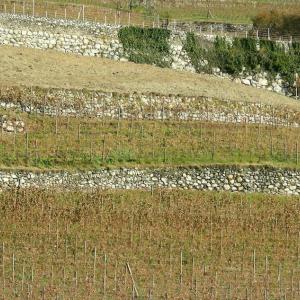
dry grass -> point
(30, 67)
(179, 245)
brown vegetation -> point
(178, 245)
(279, 22)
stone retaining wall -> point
(95, 39)
(66, 102)
(215, 178)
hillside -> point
(121, 180)
(30, 67)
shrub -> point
(196, 53)
(229, 58)
(246, 53)
(249, 48)
(278, 21)
(146, 45)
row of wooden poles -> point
(12, 280)
(102, 149)
(109, 16)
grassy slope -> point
(32, 67)
(187, 243)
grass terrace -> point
(87, 143)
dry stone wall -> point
(95, 39)
(11, 125)
(65, 102)
(215, 178)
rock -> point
(267, 181)
(239, 179)
(277, 88)
(226, 187)
(216, 70)
(9, 128)
(263, 82)
(246, 81)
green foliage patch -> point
(245, 54)
(146, 45)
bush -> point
(249, 48)
(229, 58)
(246, 53)
(278, 22)
(196, 53)
(146, 45)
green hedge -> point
(146, 45)
(245, 54)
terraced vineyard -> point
(109, 173)
(142, 245)
(229, 10)
(70, 142)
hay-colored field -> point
(30, 67)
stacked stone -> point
(234, 179)
(146, 106)
(9, 125)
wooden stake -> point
(103, 149)
(76, 281)
(181, 268)
(91, 150)
(254, 264)
(214, 146)
(133, 282)
(193, 267)
(23, 277)
(165, 150)
(56, 123)
(32, 275)
(115, 277)
(52, 275)
(27, 145)
(33, 8)
(104, 276)
(297, 154)
(94, 269)
(78, 132)
(13, 269)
